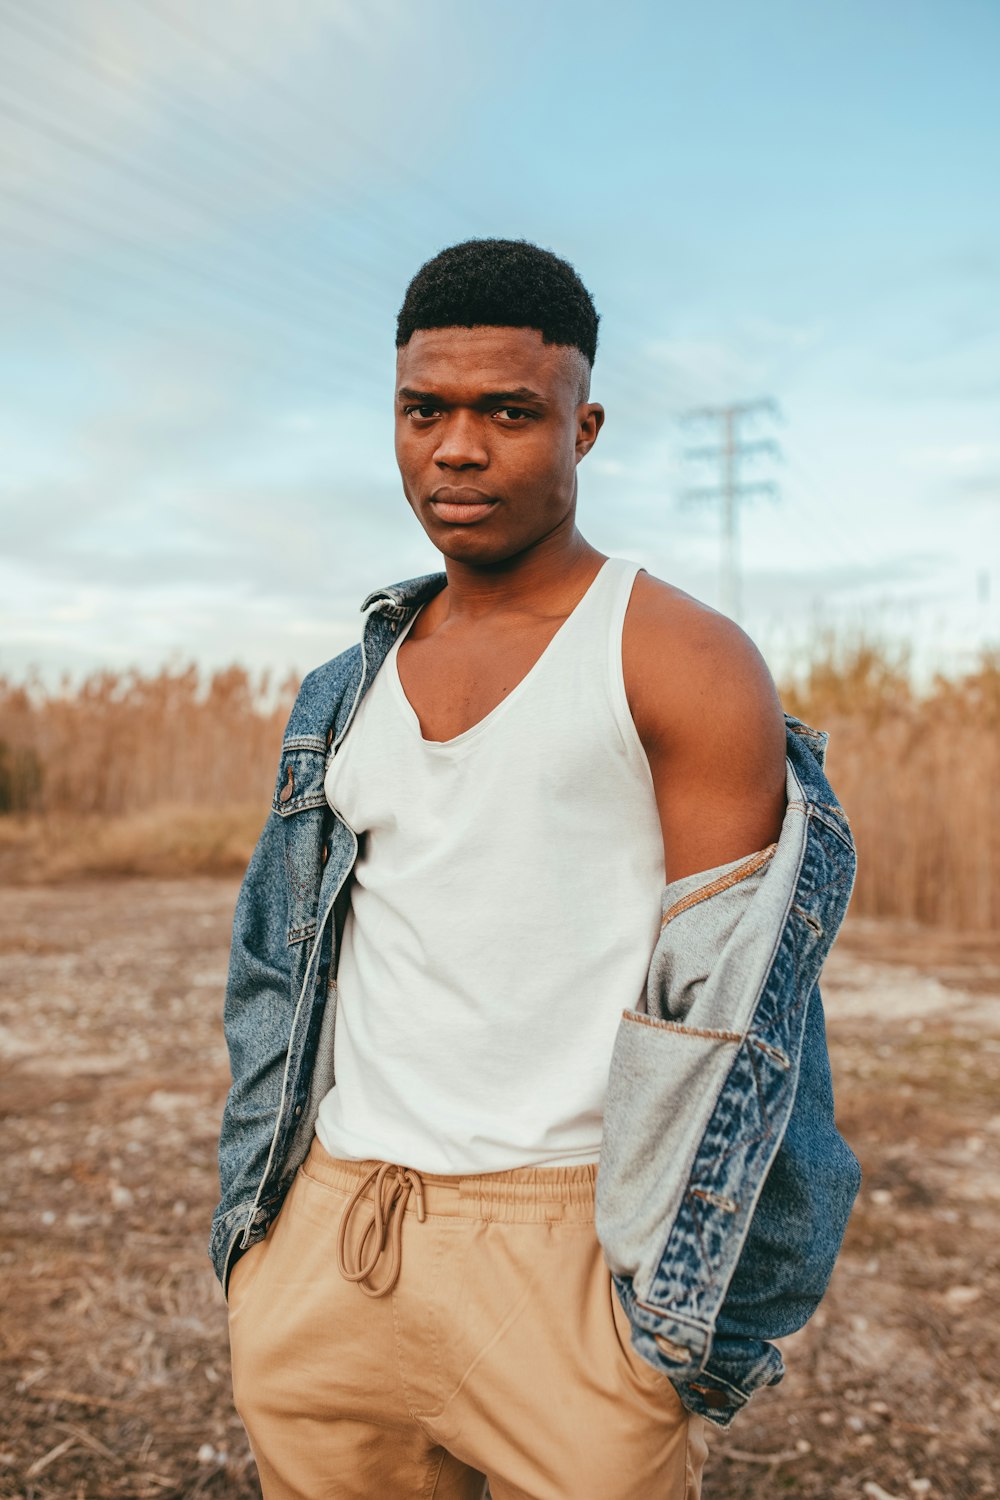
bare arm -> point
(711, 723)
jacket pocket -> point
(669, 1076)
(301, 773)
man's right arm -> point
(257, 1021)
(266, 958)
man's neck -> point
(535, 581)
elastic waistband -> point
(525, 1195)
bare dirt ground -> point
(115, 1378)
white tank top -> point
(504, 910)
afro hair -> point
(501, 284)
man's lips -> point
(460, 506)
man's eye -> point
(422, 411)
(513, 414)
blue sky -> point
(208, 216)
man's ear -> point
(589, 421)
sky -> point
(209, 215)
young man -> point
(547, 886)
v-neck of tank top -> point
(474, 730)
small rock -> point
(855, 1423)
(48, 1217)
(879, 1408)
(961, 1296)
(920, 1486)
(876, 1492)
(121, 1197)
(206, 1454)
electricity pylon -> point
(729, 452)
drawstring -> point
(389, 1200)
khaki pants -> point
(500, 1351)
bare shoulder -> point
(709, 717)
(690, 670)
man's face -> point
(490, 426)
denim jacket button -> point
(712, 1396)
(325, 853)
(329, 735)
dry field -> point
(170, 774)
(114, 1356)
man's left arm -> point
(711, 723)
(716, 739)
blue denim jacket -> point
(724, 1187)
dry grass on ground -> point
(166, 842)
(113, 1341)
(913, 772)
(172, 774)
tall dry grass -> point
(171, 774)
(126, 773)
(918, 773)
(126, 742)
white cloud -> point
(743, 361)
(969, 469)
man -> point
(547, 885)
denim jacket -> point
(724, 1187)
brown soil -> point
(115, 1371)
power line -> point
(730, 452)
(826, 514)
(257, 298)
(335, 280)
(296, 281)
(255, 161)
(210, 43)
(172, 188)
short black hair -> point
(501, 284)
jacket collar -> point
(407, 595)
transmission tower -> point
(729, 453)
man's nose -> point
(461, 444)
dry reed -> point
(171, 774)
(917, 772)
(123, 743)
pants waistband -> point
(523, 1195)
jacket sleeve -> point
(802, 1212)
(257, 1021)
(721, 1219)
(791, 1246)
